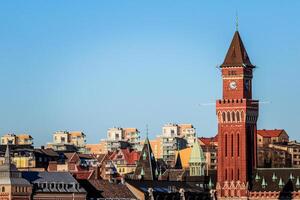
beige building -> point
(266, 137)
(75, 138)
(130, 135)
(100, 148)
(186, 131)
(21, 139)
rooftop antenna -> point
(236, 21)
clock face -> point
(233, 85)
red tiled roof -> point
(208, 141)
(270, 133)
(129, 156)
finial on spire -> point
(236, 21)
(147, 131)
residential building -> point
(100, 148)
(125, 160)
(22, 156)
(32, 185)
(188, 132)
(130, 135)
(169, 147)
(273, 157)
(21, 139)
(112, 145)
(64, 140)
(266, 137)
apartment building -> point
(117, 134)
(186, 131)
(21, 139)
(63, 140)
(266, 137)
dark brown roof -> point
(288, 176)
(111, 190)
(173, 175)
(236, 54)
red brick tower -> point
(237, 116)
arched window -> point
(228, 116)
(238, 174)
(233, 116)
(3, 189)
(232, 144)
(225, 174)
(232, 178)
(224, 116)
(242, 116)
(238, 116)
(226, 145)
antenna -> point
(236, 21)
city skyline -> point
(88, 69)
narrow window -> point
(224, 116)
(242, 116)
(225, 174)
(238, 174)
(228, 116)
(238, 144)
(231, 144)
(225, 145)
(3, 189)
(233, 116)
(232, 174)
(238, 116)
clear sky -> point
(91, 65)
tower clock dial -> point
(233, 85)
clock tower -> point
(237, 115)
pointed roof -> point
(146, 166)
(9, 173)
(236, 54)
(178, 163)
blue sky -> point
(91, 65)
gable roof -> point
(236, 54)
(130, 157)
(270, 133)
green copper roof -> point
(257, 177)
(210, 184)
(274, 177)
(197, 155)
(297, 182)
(281, 183)
(142, 172)
(264, 183)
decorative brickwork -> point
(237, 116)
